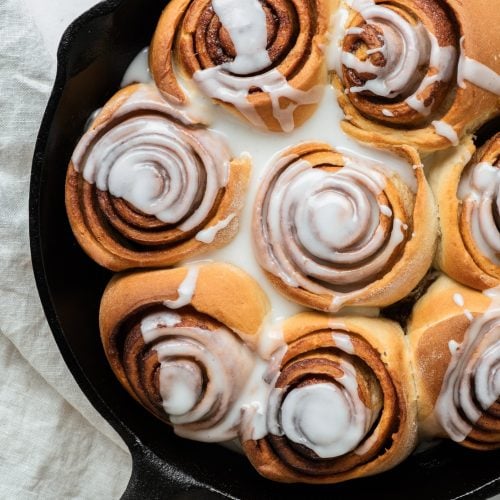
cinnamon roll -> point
(413, 71)
(264, 60)
(467, 192)
(182, 342)
(454, 334)
(342, 405)
(334, 229)
(148, 187)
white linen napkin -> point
(54, 444)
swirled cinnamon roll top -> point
(262, 59)
(401, 69)
(466, 183)
(146, 186)
(182, 341)
(341, 406)
(454, 334)
(334, 229)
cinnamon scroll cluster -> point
(319, 399)
(405, 71)
(327, 395)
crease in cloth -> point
(54, 443)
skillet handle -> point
(152, 478)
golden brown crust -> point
(222, 291)
(439, 318)
(189, 37)
(119, 237)
(458, 255)
(384, 384)
(464, 109)
(407, 265)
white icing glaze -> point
(208, 235)
(186, 290)
(138, 70)
(155, 163)
(239, 385)
(360, 5)
(218, 84)
(273, 411)
(367, 444)
(397, 76)
(254, 404)
(470, 70)
(354, 31)
(246, 22)
(405, 48)
(152, 323)
(255, 400)
(442, 59)
(479, 191)
(389, 166)
(468, 315)
(343, 341)
(325, 420)
(271, 340)
(446, 130)
(199, 106)
(384, 209)
(262, 147)
(453, 346)
(91, 119)
(337, 31)
(458, 299)
(472, 381)
(180, 387)
(330, 419)
(205, 412)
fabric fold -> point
(53, 440)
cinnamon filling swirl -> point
(144, 181)
(335, 406)
(398, 60)
(468, 406)
(329, 223)
(479, 191)
(263, 59)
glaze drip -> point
(249, 64)
(472, 381)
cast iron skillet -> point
(93, 54)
